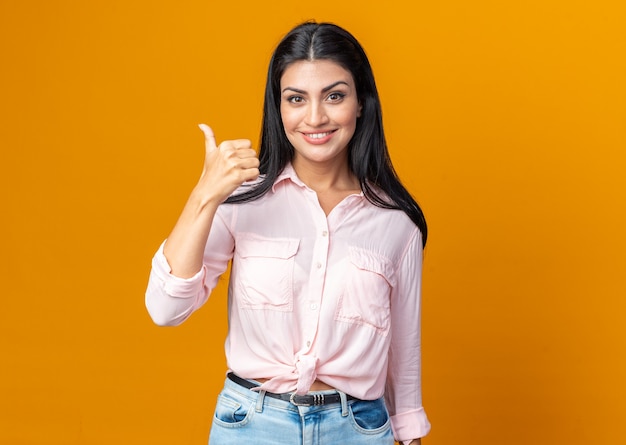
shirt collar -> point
(288, 173)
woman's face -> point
(319, 109)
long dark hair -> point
(368, 156)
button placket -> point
(317, 279)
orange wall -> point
(506, 119)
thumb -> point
(209, 138)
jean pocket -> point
(263, 271)
(230, 412)
(370, 416)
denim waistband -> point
(261, 398)
(310, 399)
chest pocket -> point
(366, 297)
(264, 272)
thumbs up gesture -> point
(226, 166)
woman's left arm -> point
(403, 392)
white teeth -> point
(318, 135)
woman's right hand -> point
(226, 167)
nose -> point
(316, 114)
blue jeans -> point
(243, 416)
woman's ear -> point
(358, 113)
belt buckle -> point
(318, 399)
(292, 399)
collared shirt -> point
(334, 298)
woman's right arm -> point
(225, 168)
(177, 284)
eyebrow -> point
(324, 90)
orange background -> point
(506, 120)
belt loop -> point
(259, 402)
(344, 403)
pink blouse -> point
(334, 298)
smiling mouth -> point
(318, 135)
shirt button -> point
(325, 233)
(313, 306)
(308, 343)
(319, 265)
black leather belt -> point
(305, 400)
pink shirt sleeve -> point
(403, 391)
(170, 300)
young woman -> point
(326, 248)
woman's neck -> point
(326, 177)
(332, 182)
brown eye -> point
(335, 97)
(295, 99)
